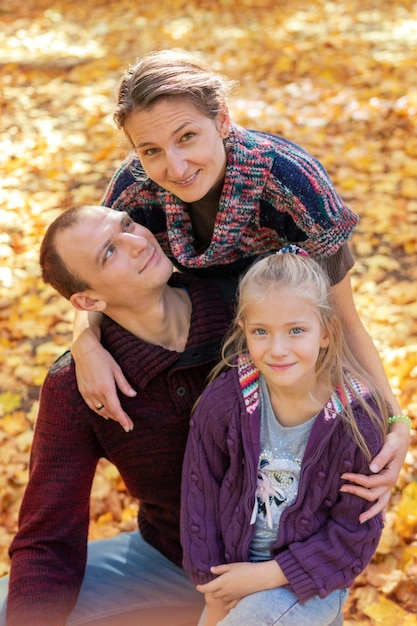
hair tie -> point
(293, 249)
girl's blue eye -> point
(296, 331)
(259, 331)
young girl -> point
(269, 535)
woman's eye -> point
(151, 151)
(296, 331)
(259, 331)
(187, 136)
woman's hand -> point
(97, 372)
(97, 376)
(378, 487)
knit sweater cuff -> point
(299, 581)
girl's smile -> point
(284, 337)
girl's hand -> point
(237, 580)
(97, 376)
(378, 487)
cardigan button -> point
(181, 391)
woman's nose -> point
(176, 164)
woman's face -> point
(179, 147)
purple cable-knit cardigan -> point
(275, 193)
(48, 553)
(321, 546)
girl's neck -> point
(294, 407)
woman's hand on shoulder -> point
(98, 374)
(386, 467)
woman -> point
(217, 196)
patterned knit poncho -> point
(275, 193)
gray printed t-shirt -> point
(282, 450)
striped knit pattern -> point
(249, 382)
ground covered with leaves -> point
(338, 78)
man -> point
(164, 329)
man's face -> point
(121, 260)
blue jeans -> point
(280, 606)
(129, 583)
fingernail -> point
(374, 468)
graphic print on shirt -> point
(277, 487)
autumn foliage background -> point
(339, 78)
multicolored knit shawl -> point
(274, 193)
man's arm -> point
(49, 551)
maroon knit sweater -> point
(49, 551)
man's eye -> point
(127, 224)
(108, 253)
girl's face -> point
(179, 147)
(284, 337)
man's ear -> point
(82, 302)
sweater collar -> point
(248, 376)
(141, 361)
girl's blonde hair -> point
(335, 365)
